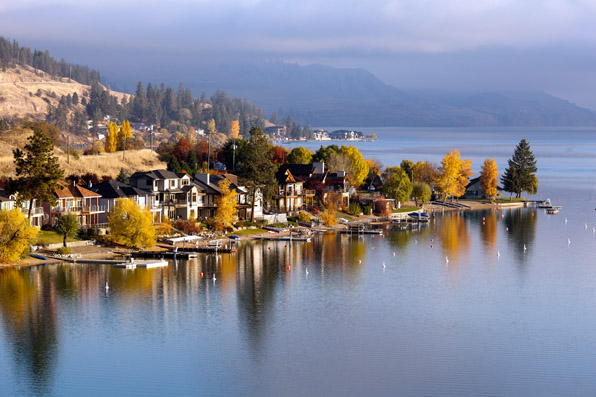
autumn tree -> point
(235, 129)
(67, 226)
(38, 171)
(300, 155)
(279, 154)
(124, 134)
(454, 175)
(16, 235)
(408, 167)
(130, 225)
(358, 170)
(425, 171)
(520, 175)
(111, 137)
(489, 178)
(397, 184)
(227, 205)
(182, 148)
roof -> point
(213, 186)
(5, 197)
(115, 189)
(157, 174)
(69, 191)
(300, 171)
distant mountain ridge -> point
(323, 95)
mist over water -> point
(495, 320)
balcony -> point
(80, 209)
(308, 192)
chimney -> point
(319, 167)
(341, 174)
(208, 178)
(90, 185)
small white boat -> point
(545, 204)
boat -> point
(419, 216)
(545, 204)
(552, 210)
(359, 228)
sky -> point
(547, 45)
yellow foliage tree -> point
(124, 134)
(454, 175)
(191, 135)
(111, 137)
(235, 129)
(489, 176)
(211, 126)
(16, 234)
(227, 205)
(130, 225)
(358, 167)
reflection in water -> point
(453, 233)
(520, 226)
(29, 316)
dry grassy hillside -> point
(26, 92)
(102, 164)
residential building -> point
(175, 194)
(7, 201)
(474, 190)
(210, 184)
(112, 190)
(292, 196)
(75, 200)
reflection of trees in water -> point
(400, 239)
(453, 233)
(27, 305)
(487, 223)
(521, 226)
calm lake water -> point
(495, 320)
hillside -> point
(324, 96)
(26, 92)
(102, 164)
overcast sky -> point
(548, 45)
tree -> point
(174, 165)
(38, 171)
(425, 172)
(489, 177)
(227, 205)
(130, 225)
(257, 169)
(16, 234)
(454, 175)
(421, 192)
(67, 226)
(300, 155)
(325, 153)
(123, 176)
(397, 184)
(279, 154)
(358, 169)
(408, 167)
(520, 175)
(235, 129)
(124, 135)
(182, 149)
(111, 137)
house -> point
(292, 196)
(474, 190)
(175, 194)
(111, 191)
(75, 200)
(7, 201)
(210, 184)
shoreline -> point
(105, 252)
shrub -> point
(354, 208)
(367, 210)
(303, 216)
(63, 251)
(327, 218)
(190, 226)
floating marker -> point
(288, 268)
(507, 229)
(201, 274)
(394, 254)
(359, 261)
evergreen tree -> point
(174, 165)
(191, 161)
(257, 169)
(37, 169)
(123, 176)
(520, 175)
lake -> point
(496, 319)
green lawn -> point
(248, 231)
(406, 209)
(50, 237)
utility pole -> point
(68, 149)
(208, 150)
(124, 149)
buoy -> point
(359, 261)
(307, 272)
(483, 219)
(288, 268)
(107, 286)
(524, 247)
(373, 247)
(446, 260)
(532, 214)
(269, 248)
(383, 264)
(201, 274)
(394, 254)
(482, 223)
(568, 241)
(502, 216)
(498, 253)
(507, 229)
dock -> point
(163, 254)
(119, 263)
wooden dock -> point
(163, 254)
